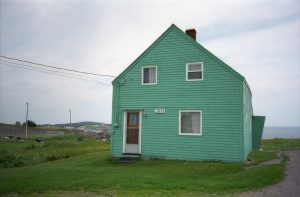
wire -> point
(54, 71)
(105, 84)
(56, 67)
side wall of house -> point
(247, 120)
(219, 96)
(116, 145)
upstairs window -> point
(194, 71)
(149, 75)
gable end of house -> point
(194, 42)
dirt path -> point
(289, 187)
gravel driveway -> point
(289, 187)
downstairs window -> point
(190, 122)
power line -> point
(56, 67)
(44, 69)
(105, 84)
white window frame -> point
(187, 71)
(142, 73)
(179, 125)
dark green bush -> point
(51, 158)
(30, 147)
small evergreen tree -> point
(30, 123)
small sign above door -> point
(160, 111)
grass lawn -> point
(92, 172)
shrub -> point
(80, 139)
(51, 158)
(30, 147)
(30, 123)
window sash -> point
(194, 67)
(146, 75)
(152, 75)
(195, 75)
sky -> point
(259, 39)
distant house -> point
(179, 101)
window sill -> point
(147, 84)
(191, 134)
(194, 80)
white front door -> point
(132, 130)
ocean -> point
(281, 132)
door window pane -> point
(133, 119)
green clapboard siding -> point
(247, 119)
(222, 97)
(258, 127)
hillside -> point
(75, 124)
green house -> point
(179, 101)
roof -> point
(235, 73)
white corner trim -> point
(140, 132)
(124, 130)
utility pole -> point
(26, 119)
(70, 119)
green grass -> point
(95, 173)
(270, 148)
(281, 144)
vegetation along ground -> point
(75, 166)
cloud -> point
(269, 59)
(257, 38)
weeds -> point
(14, 153)
(10, 160)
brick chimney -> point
(191, 32)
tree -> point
(30, 123)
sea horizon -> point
(272, 132)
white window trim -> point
(179, 125)
(142, 73)
(187, 71)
